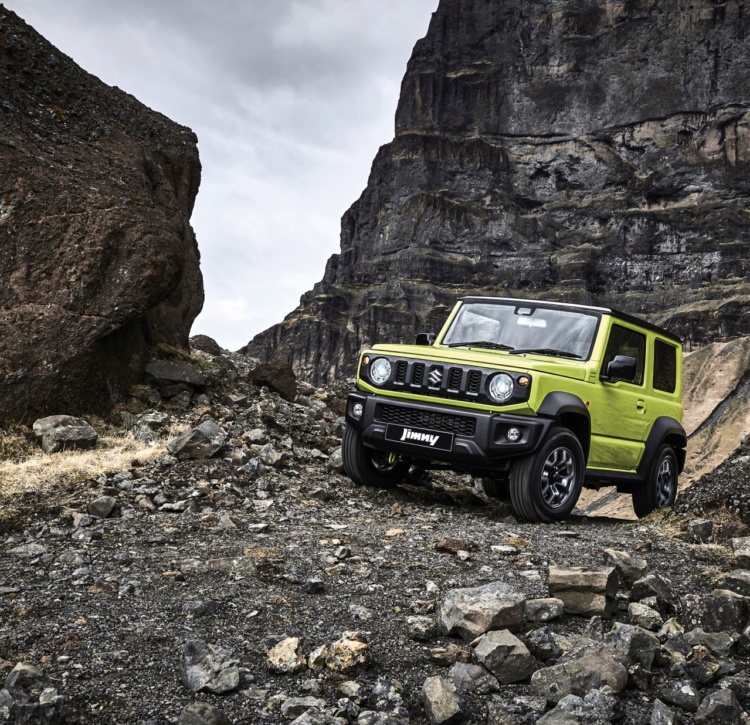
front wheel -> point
(545, 486)
(368, 467)
(659, 490)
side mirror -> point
(425, 338)
(623, 367)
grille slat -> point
(458, 424)
(454, 379)
(401, 368)
(417, 374)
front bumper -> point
(478, 439)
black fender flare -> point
(571, 412)
(664, 430)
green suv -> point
(536, 399)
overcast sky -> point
(290, 100)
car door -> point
(619, 412)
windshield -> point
(524, 328)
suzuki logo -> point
(435, 377)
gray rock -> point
(441, 703)
(472, 678)
(208, 667)
(544, 610)
(543, 644)
(662, 715)
(62, 437)
(316, 717)
(643, 616)
(421, 628)
(721, 611)
(155, 420)
(682, 693)
(585, 591)
(655, 585)
(29, 550)
(352, 690)
(386, 697)
(737, 581)
(293, 707)
(632, 645)
(471, 612)
(720, 644)
(370, 717)
(629, 568)
(335, 462)
(597, 707)
(176, 372)
(719, 708)
(700, 530)
(201, 442)
(24, 675)
(741, 548)
(201, 713)
(505, 656)
(558, 717)
(580, 671)
(102, 506)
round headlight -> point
(501, 387)
(380, 371)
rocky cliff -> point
(594, 152)
(98, 257)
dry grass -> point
(25, 467)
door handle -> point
(641, 406)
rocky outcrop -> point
(98, 257)
(590, 152)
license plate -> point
(434, 439)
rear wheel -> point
(659, 490)
(496, 488)
(545, 486)
(367, 466)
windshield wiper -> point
(481, 343)
(545, 351)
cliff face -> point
(594, 152)
(98, 257)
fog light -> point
(513, 434)
(357, 410)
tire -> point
(545, 486)
(496, 488)
(368, 467)
(659, 490)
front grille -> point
(475, 382)
(415, 418)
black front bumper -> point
(479, 439)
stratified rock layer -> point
(98, 257)
(591, 152)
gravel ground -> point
(209, 550)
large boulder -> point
(99, 260)
(581, 151)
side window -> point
(623, 341)
(665, 366)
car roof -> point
(583, 308)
